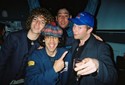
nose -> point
(63, 17)
(51, 39)
(37, 22)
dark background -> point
(16, 9)
(75, 6)
(19, 9)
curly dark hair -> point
(36, 12)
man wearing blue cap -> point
(94, 65)
(62, 20)
(50, 65)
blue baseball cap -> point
(52, 30)
(83, 18)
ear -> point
(90, 30)
(56, 18)
(43, 40)
(70, 16)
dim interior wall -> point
(118, 49)
(111, 15)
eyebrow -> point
(41, 16)
(63, 13)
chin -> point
(37, 32)
(76, 37)
(63, 26)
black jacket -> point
(12, 53)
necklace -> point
(32, 43)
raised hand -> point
(59, 64)
(87, 66)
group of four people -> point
(53, 64)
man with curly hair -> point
(50, 65)
(18, 45)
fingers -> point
(85, 60)
(86, 71)
(40, 47)
(97, 37)
(87, 66)
(63, 56)
(59, 64)
(83, 64)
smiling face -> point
(51, 44)
(62, 18)
(37, 24)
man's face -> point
(81, 32)
(38, 24)
(62, 18)
(51, 43)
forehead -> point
(40, 17)
(48, 37)
(63, 11)
(83, 26)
